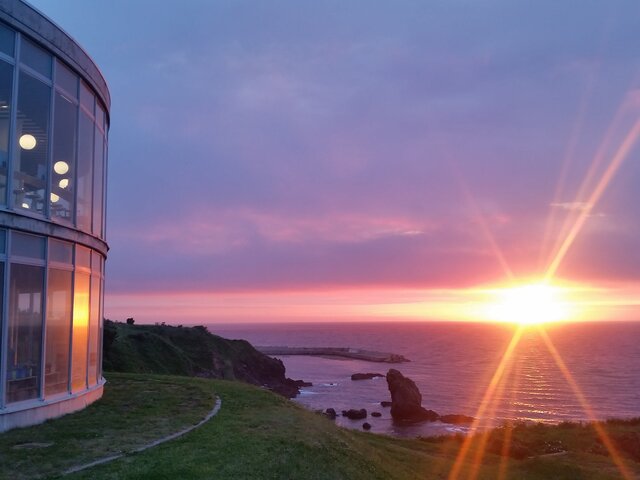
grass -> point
(134, 410)
(259, 435)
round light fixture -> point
(25, 205)
(27, 141)
(61, 167)
(64, 183)
(54, 198)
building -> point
(54, 119)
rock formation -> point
(406, 399)
(457, 419)
(365, 376)
(354, 414)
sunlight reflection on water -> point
(452, 365)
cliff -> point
(191, 351)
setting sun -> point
(529, 304)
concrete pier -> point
(344, 352)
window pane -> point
(66, 79)
(61, 252)
(80, 331)
(94, 330)
(58, 327)
(6, 84)
(87, 100)
(83, 257)
(25, 245)
(99, 115)
(96, 262)
(85, 179)
(98, 180)
(35, 57)
(3, 244)
(7, 40)
(1, 308)
(64, 154)
(24, 333)
(30, 163)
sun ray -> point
(484, 437)
(480, 219)
(606, 441)
(486, 400)
(595, 196)
(508, 429)
(569, 155)
(595, 165)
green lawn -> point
(260, 435)
(135, 409)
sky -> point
(293, 160)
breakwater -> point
(345, 352)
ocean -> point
(453, 364)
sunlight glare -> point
(529, 304)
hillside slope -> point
(191, 351)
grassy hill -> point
(190, 351)
(259, 435)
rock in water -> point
(365, 376)
(366, 426)
(354, 414)
(331, 413)
(457, 419)
(406, 399)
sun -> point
(529, 304)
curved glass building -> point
(54, 119)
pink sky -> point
(292, 162)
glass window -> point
(58, 331)
(96, 262)
(83, 257)
(100, 115)
(98, 181)
(6, 84)
(80, 332)
(25, 245)
(84, 176)
(64, 154)
(24, 333)
(87, 100)
(30, 162)
(66, 79)
(94, 330)
(3, 245)
(35, 57)
(7, 40)
(60, 252)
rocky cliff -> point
(191, 351)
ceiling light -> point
(27, 141)
(61, 167)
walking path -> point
(209, 416)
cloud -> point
(281, 145)
(572, 206)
